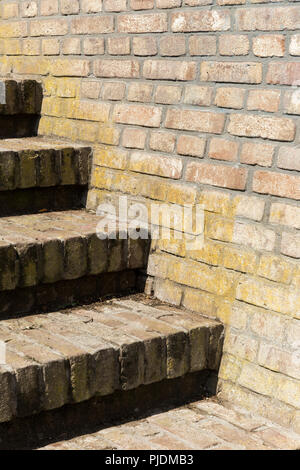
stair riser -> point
(33, 200)
(18, 126)
(62, 294)
(67, 257)
(20, 97)
(25, 169)
(20, 108)
(35, 431)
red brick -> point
(203, 45)
(50, 46)
(198, 95)
(257, 154)
(115, 5)
(113, 91)
(269, 45)
(289, 158)
(168, 3)
(204, 20)
(49, 7)
(69, 7)
(71, 46)
(92, 6)
(169, 70)
(295, 45)
(139, 115)
(141, 4)
(92, 25)
(93, 46)
(172, 45)
(200, 121)
(217, 175)
(152, 164)
(140, 91)
(162, 141)
(148, 23)
(280, 73)
(118, 45)
(28, 9)
(113, 68)
(261, 126)
(222, 149)
(291, 102)
(190, 145)
(58, 27)
(234, 44)
(231, 72)
(134, 138)
(277, 184)
(268, 18)
(230, 97)
(168, 94)
(264, 100)
(144, 46)
(290, 244)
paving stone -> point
(191, 427)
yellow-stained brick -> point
(200, 276)
(218, 228)
(240, 345)
(158, 265)
(88, 110)
(46, 125)
(256, 403)
(30, 66)
(67, 88)
(239, 259)
(201, 302)
(230, 368)
(230, 313)
(258, 379)
(288, 391)
(181, 194)
(65, 128)
(173, 246)
(10, 47)
(109, 135)
(211, 253)
(110, 157)
(269, 295)
(168, 292)
(276, 269)
(102, 178)
(86, 131)
(216, 201)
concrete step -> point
(42, 174)
(71, 356)
(20, 107)
(51, 260)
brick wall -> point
(190, 101)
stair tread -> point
(37, 143)
(98, 349)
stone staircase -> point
(71, 354)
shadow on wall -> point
(20, 108)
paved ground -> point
(201, 425)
